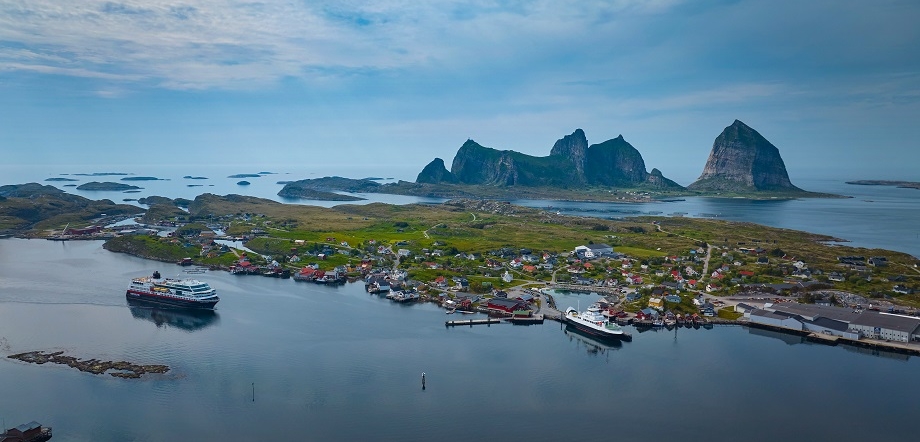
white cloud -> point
(232, 44)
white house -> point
(594, 250)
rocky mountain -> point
(742, 160)
(435, 172)
(574, 147)
(571, 164)
(615, 163)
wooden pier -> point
(472, 322)
(526, 320)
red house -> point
(505, 305)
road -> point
(708, 250)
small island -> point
(142, 178)
(245, 175)
(319, 195)
(61, 179)
(102, 174)
(120, 369)
(243, 183)
(189, 177)
(96, 185)
(901, 184)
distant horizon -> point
(358, 171)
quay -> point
(894, 347)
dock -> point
(472, 322)
(823, 338)
(526, 320)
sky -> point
(834, 84)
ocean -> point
(282, 360)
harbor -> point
(313, 369)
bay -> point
(335, 363)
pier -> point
(472, 322)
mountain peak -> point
(435, 172)
(573, 147)
(743, 160)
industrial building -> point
(838, 321)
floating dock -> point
(472, 322)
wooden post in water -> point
(423, 380)
(253, 391)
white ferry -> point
(593, 322)
(175, 292)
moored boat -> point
(593, 322)
(190, 293)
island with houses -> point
(506, 260)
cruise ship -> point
(187, 293)
(593, 322)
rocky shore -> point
(120, 369)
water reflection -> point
(184, 319)
(593, 345)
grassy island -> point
(479, 241)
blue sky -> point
(834, 84)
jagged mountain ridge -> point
(742, 160)
(571, 163)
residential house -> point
(672, 298)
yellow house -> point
(656, 303)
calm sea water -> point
(334, 363)
(875, 216)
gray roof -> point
(830, 324)
(29, 426)
(812, 312)
(767, 314)
(887, 321)
(598, 246)
(745, 306)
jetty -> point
(472, 322)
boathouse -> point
(505, 305)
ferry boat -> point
(190, 293)
(593, 322)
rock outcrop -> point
(435, 172)
(575, 148)
(742, 160)
(571, 164)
